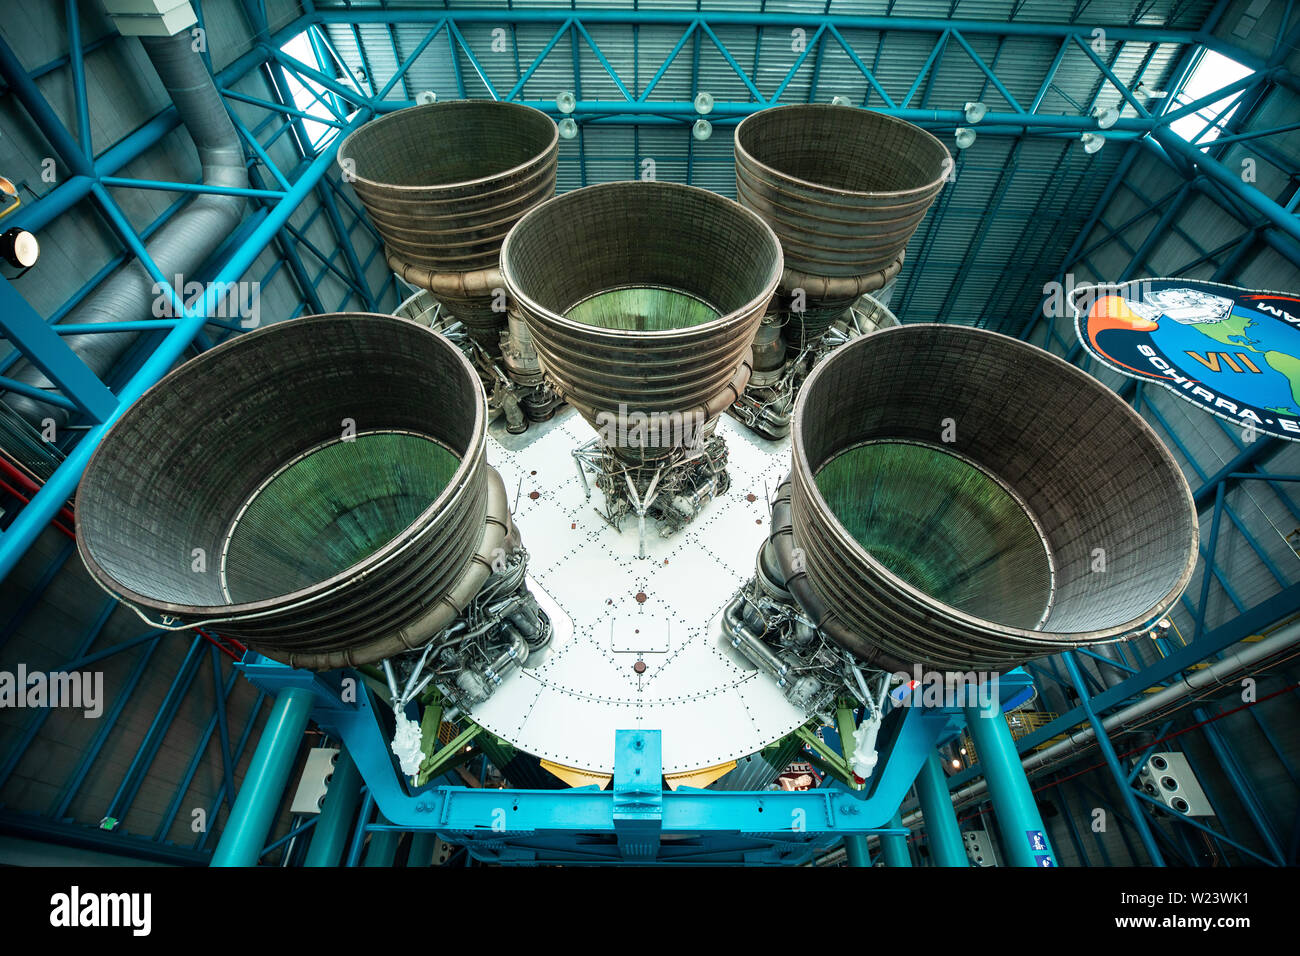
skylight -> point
(1212, 72)
(311, 97)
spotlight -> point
(1092, 142)
(566, 102)
(425, 97)
(956, 764)
(964, 136)
(704, 103)
(1144, 91)
(568, 128)
(19, 248)
(975, 112)
(841, 101)
(702, 129)
(1106, 118)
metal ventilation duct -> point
(316, 488)
(181, 246)
(643, 298)
(443, 184)
(963, 500)
(845, 189)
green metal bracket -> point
(437, 762)
(828, 760)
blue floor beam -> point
(330, 838)
(259, 796)
(941, 827)
(1024, 838)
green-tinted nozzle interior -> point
(944, 526)
(642, 309)
(331, 509)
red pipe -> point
(25, 500)
(31, 486)
(220, 646)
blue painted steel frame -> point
(88, 175)
(627, 822)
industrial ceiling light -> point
(1106, 118)
(1144, 91)
(964, 136)
(425, 97)
(568, 128)
(841, 101)
(19, 248)
(975, 112)
(1092, 142)
(566, 102)
(702, 129)
(703, 103)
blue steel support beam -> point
(637, 810)
(1112, 761)
(1242, 785)
(1024, 838)
(638, 794)
(645, 17)
(382, 847)
(359, 834)
(330, 838)
(107, 722)
(855, 851)
(422, 849)
(227, 793)
(120, 805)
(894, 845)
(254, 811)
(28, 332)
(941, 828)
(36, 515)
(227, 788)
(1253, 621)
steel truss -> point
(278, 193)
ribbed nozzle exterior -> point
(643, 299)
(314, 486)
(844, 188)
(1049, 511)
(443, 184)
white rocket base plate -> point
(710, 703)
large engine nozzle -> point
(316, 488)
(845, 189)
(643, 299)
(961, 499)
(443, 184)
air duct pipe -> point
(317, 489)
(180, 247)
(1237, 659)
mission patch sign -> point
(1234, 352)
